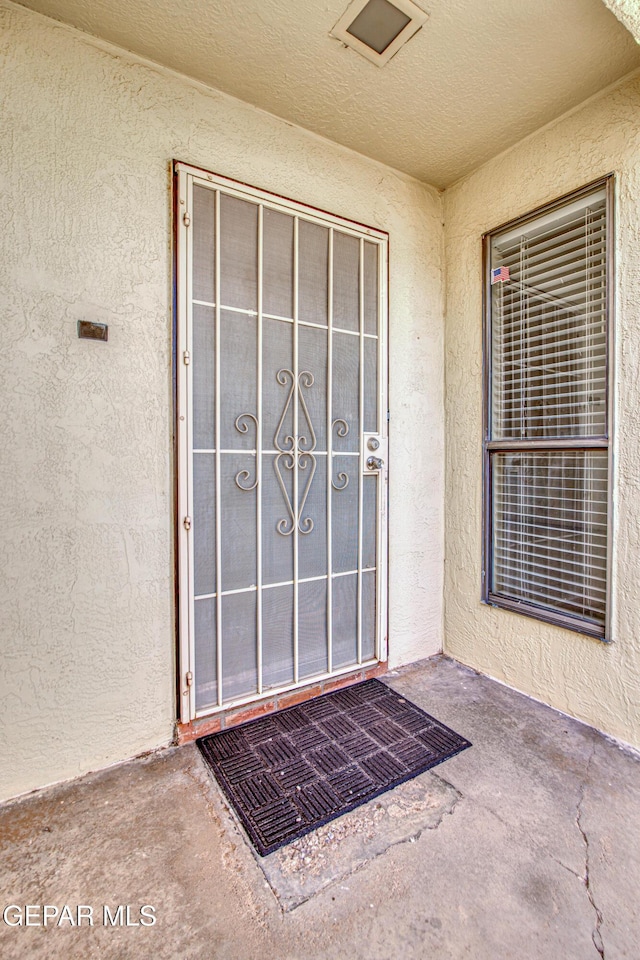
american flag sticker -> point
(499, 275)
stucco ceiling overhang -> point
(477, 78)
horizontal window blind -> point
(547, 380)
(549, 328)
(550, 529)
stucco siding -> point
(87, 675)
(593, 681)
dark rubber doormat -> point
(295, 770)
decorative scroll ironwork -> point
(242, 426)
(292, 450)
(342, 431)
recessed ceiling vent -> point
(378, 28)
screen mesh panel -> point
(346, 390)
(346, 281)
(371, 386)
(371, 288)
(550, 529)
(277, 550)
(238, 253)
(274, 417)
(277, 264)
(312, 356)
(368, 615)
(204, 523)
(277, 636)
(205, 644)
(345, 620)
(369, 514)
(238, 376)
(344, 514)
(204, 217)
(277, 354)
(312, 638)
(203, 346)
(313, 272)
(549, 347)
(239, 649)
(312, 547)
(238, 521)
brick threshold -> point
(188, 732)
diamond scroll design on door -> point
(292, 450)
(295, 450)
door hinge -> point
(186, 523)
(189, 678)
(186, 219)
(186, 357)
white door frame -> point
(185, 178)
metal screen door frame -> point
(186, 178)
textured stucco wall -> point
(86, 570)
(628, 13)
(586, 678)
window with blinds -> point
(547, 413)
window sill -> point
(585, 627)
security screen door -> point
(282, 435)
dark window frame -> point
(603, 442)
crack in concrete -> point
(584, 878)
(531, 839)
(596, 935)
(569, 869)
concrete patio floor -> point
(530, 849)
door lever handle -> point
(374, 463)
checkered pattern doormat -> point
(293, 771)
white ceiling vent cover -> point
(378, 28)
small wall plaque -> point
(88, 330)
